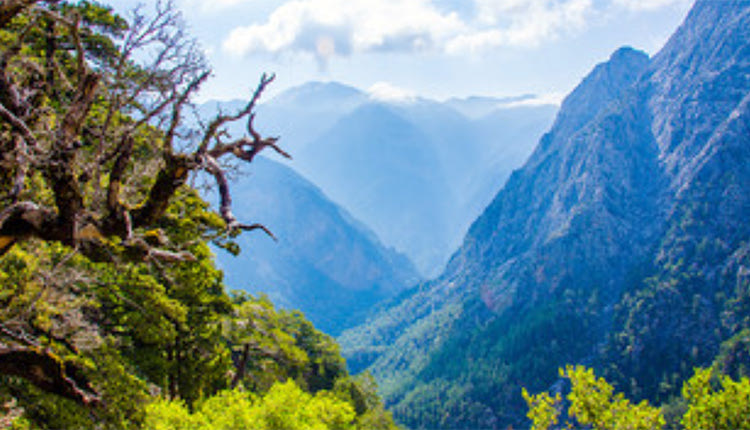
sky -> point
(429, 48)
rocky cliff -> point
(622, 243)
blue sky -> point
(431, 48)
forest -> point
(113, 313)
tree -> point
(285, 406)
(713, 401)
(594, 404)
(109, 296)
(94, 150)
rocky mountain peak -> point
(607, 82)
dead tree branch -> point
(144, 107)
(49, 373)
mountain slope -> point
(622, 243)
(501, 255)
(384, 170)
(302, 114)
(417, 173)
(325, 263)
(696, 296)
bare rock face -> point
(622, 243)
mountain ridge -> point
(468, 158)
(621, 243)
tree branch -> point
(171, 177)
(26, 219)
(18, 124)
(241, 366)
(220, 120)
(10, 8)
(48, 372)
(115, 175)
(225, 206)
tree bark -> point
(241, 366)
(48, 373)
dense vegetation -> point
(112, 312)
(710, 400)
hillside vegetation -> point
(621, 244)
(113, 314)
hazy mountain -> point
(622, 243)
(325, 263)
(300, 115)
(383, 169)
(416, 172)
(476, 107)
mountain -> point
(622, 244)
(301, 114)
(476, 107)
(385, 170)
(325, 263)
(416, 172)
(407, 172)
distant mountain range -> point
(416, 172)
(623, 243)
(412, 176)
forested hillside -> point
(621, 244)
(113, 314)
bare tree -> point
(97, 115)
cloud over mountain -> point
(330, 28)
(327, 28)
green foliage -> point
(283, 345)
(361, 393)
(285, 406)
(542, 409)
(139, 329)
(712, 401)
(172, 330)
(716, 402)
(594, 403)
(119, 311)
(482, 363)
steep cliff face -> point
(622, 243)
(579, 204)
(697, 294)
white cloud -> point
(521, 23)
(646, 5)
(540, 100)
(329, 27)
(326, 28)
(387, 92)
